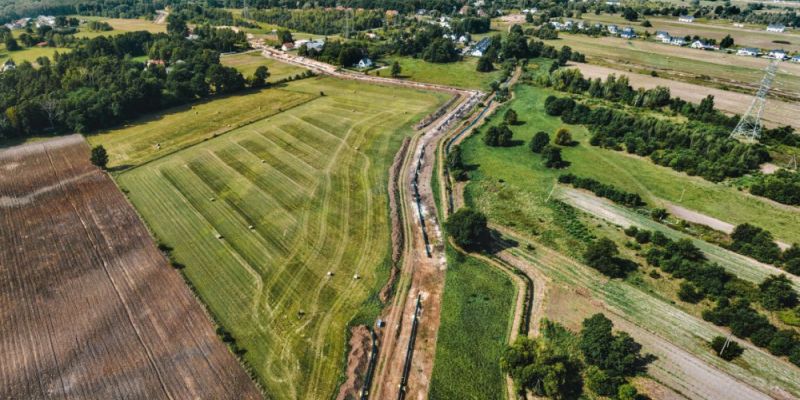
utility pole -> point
(749, 127)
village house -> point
(778, 54)
(18, 24)
(796, 58)
(662, 35)
(365, 63)
(628, 33)
(777, 28)
(480, 48)
(748, 51)
(612, 29)
(678, 41)
(8, 66)
(612, 2)
(315, 45)
(287, 46)
(666, 39)
(686, 18)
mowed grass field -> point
(136, 142)
(477, 310)
(120, 25)
(29, 54)
(460, 74)
(519, 183)
(247, 63)
(260, 215)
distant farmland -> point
(261, 214)
(90, 307)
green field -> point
(183, 126)
(461, 74)
(247, 63)
(512, 187)
(120, 26)
(477, 310)
(261, 214)
(29, 54)
(517, 200)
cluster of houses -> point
(42, 20)
(315, 44)
(777, 54)
(625, 33)
(666, 38)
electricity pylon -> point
(749, 127)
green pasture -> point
(511, 183)
(247, 63)
(461, 74)
(477, 311)
(282, 223)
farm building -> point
(479, 48)
(796, 58)
(18, 24)
(663, 35)
(612, 29)
(287, 46)
(686, 18)
(748, 51)
(315, 45)
(777, 28)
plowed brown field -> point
(89, 307)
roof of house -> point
(779, 26)
(749, 50)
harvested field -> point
(777, 113)
(90, 307)
(247, 63)
(263, 213)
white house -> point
(666, 40)
(612, 2)
(778, 54)
(698, 44)
(612, 29)
(662, 35)
(678, 41)
(529, 11)
(18, 24)
(8, 66)
(287, 46)
(796, 58)
(686, 18)
(748, 51)
(365, 63)
(777, 28)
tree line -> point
(603, 190)
(560, 364)
(98, 84)
(693, 147)
(734, 298)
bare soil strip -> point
(90, 307)
(776, 113)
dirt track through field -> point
(90, 307)
(775, 113)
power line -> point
(749, 127)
